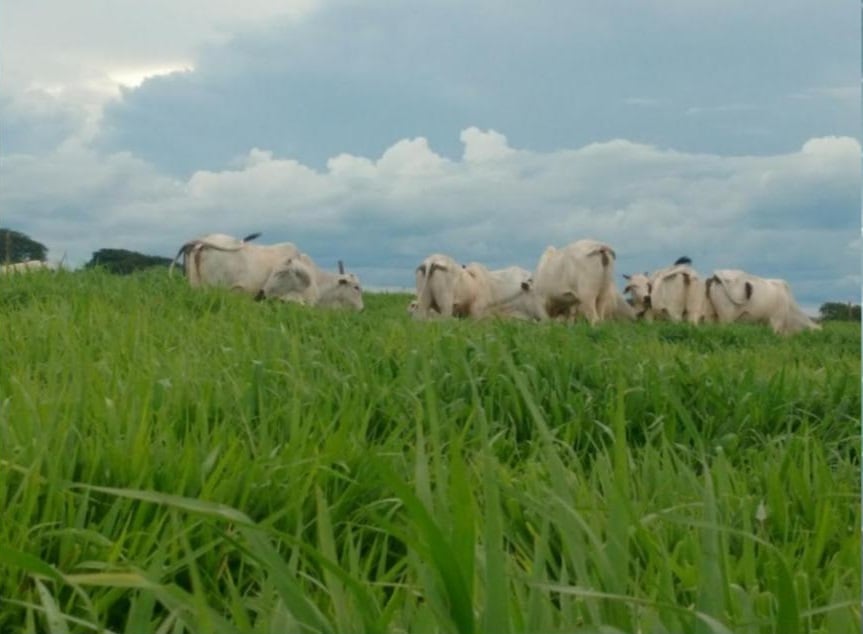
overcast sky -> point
(379, 132)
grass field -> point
(190, 461)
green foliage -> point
(187, 460)
(123, 262)
(18, 247)
(838, 311)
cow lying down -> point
(739, 296)
(300, 280)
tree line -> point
(18, 247)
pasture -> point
(177, 460)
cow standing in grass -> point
(577, 279)
(676, 293)
(444, 288)
(222, 260)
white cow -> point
(300, 280)
(579, 276)
(621, 310)
(222, 260)
(618, 310)
(739, 296)
(638, 286)
(27, 266)
(507, 292)
(676, 293)
(445, 288)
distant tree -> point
(18, 247)
(123, 262)
(839, 311)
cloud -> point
(645, 102)
(135, 76)
(482, 146)
(65, 43)
(848, 92)
(720, 109)
(355, 77)
(38, 120)
(793, 215)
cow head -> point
(288, 281)
(345, 292)
(639, 288)
(526, 304)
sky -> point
(378, 133)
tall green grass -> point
(179, 460)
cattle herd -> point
(576, 280)
(573, 281)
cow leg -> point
(590, 311)
(445, 303)
(674, 315)
(777, 323)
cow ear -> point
(626, 277)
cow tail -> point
(195, 268)
(184, 251)
(607, 254)
(716, 280)
(422, 292)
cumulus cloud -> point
(482, 146)
(37, 120)
(357, 76)
(67, 43)
(793, 215)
